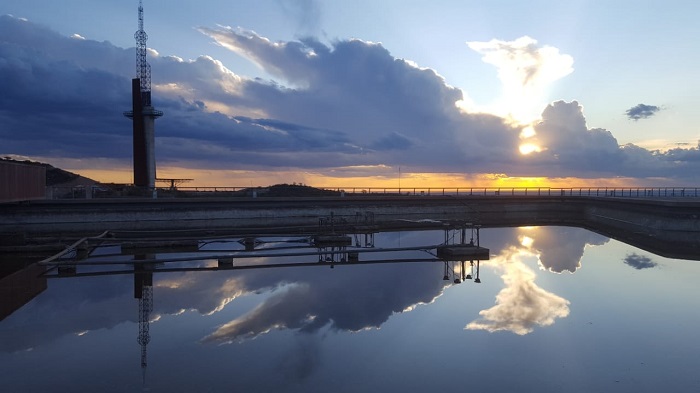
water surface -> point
(557, 309)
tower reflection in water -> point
(387, 298)
(143, 291)
(330, 248)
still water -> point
(557, 309)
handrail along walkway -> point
(187, 192)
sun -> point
(528, 148)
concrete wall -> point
(279, 213)
(21, 182)
(649, 224)
(667, 228)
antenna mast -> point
(143, 69)
(143, 114)
(145, 308)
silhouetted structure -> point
(143, 291)
(143, 114)
(173, 182)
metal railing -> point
(629, 192)
(95, 192)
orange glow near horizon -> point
(249, 178)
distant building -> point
(21, 181)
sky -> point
(362, 93)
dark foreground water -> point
(558, 309)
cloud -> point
(346, 298)
(526, 70)
(521, 305)
(639, 262)
(572, 147)
(561, 248)
(359, 106)
(688, 156)
(642, 111)
(346, 104)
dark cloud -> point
(345, 298)
(574, 148)
(392, 141)
(571, 144)
(639, 262)
(689, 155)
(561, 248)
(349, 103)
(642, 111)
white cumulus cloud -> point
(526, 70)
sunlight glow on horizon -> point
(335, 180)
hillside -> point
(56, 177)
(60, 178)
(295, 190)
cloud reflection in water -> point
(639, 262)
(357, 299)
(560, 249)
(347, 298)
(522, 305)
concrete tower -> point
(143, 114)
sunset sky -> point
(359, 93)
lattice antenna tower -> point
(145, 308)
(143, 69)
